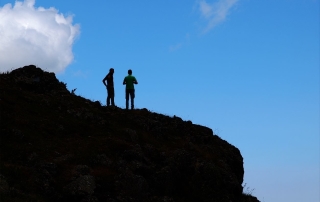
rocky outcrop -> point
(57, 146)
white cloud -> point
(179, 45)
(81, 74)
(175, 47)
(39, 36)
(216, 12)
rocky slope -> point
(57, 146)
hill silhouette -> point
(58, 146)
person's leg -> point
(127, 98)
(132, 98)
(108, 96)
(112, 96)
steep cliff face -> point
(57, 146)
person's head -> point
(129, 71)
(111, 70)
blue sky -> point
(249, 70)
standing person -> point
(130, 81)
(109, 86)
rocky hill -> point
(58, 146)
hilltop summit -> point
(58, 146)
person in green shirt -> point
(129, 81)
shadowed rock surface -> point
(57, 146)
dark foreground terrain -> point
(57, 146)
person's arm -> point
(124, 81)
(135, 81)
(104, 81)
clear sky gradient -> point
(249, 70)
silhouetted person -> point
(109, 86)
(130, 81)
